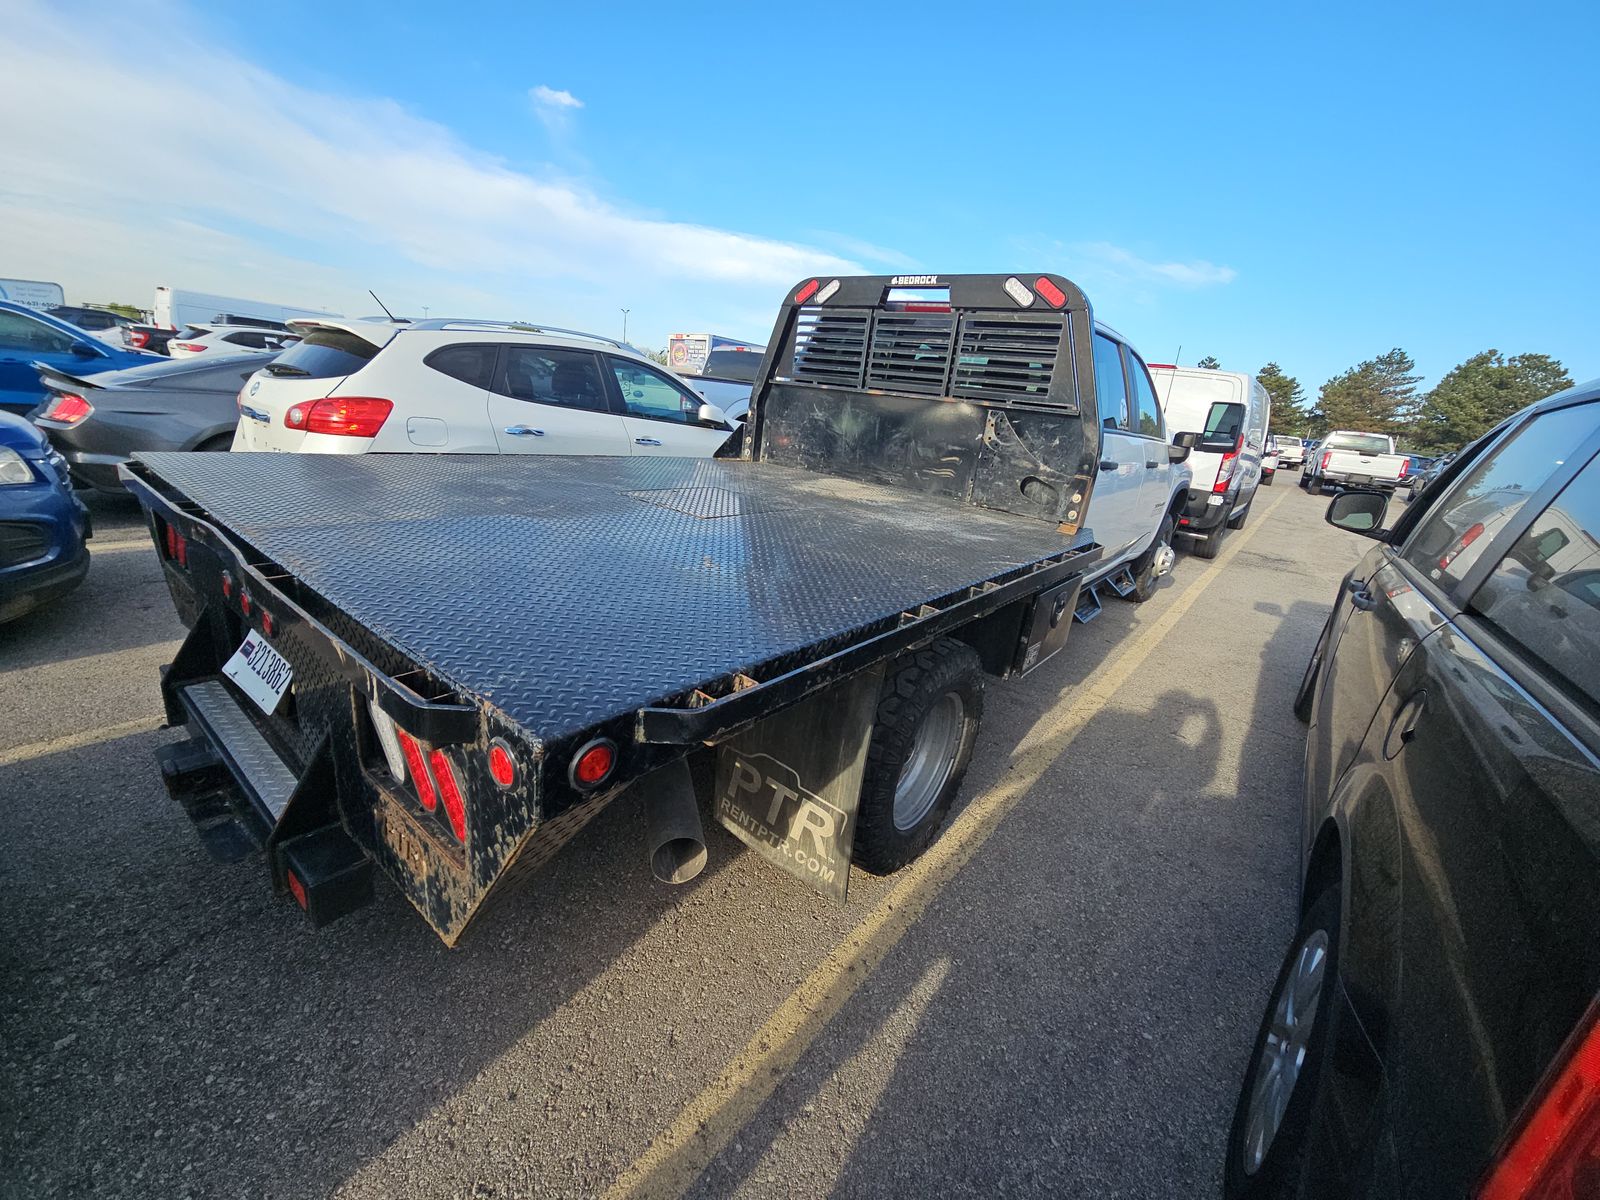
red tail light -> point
(593, 764)
(67, 408)
(1405, 467)
(190, 347)
(1053, 296)
(1226, 468)
(455, 808)
(138, 338)
(1472, 534)
(1326, 455)
(418, 770)
(177, 546)
(1555, 1154)
(342, 416)
(807, 290)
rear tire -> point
(1267, 1143)
(1267, 477)
(1238, 521)
(223, 441)
(927, 723)
(1145, 579)
(1211, 546)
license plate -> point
(260, 671)
(1361, 479)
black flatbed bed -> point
(568, 592)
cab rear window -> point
(326, 354)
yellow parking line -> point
(76, 741)
(681, 1152)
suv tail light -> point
(1555, 1154)
(188, 347)
(68, 408)
(342, 416)
(137, 338)
(1226, 468)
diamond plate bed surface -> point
(567, 591)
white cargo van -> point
(1232, 410)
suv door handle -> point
(523, 431)
(1360, 596)
(647, 441)
(1107, 464)
(1151, 466)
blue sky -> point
(1275, 182)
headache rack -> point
(854, 363)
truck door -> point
(552, 401)
(1116, 513)
(1155, 492)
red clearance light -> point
(68, 408)
(1046, 287)
(341, 416)
(807, 290)
(1160, 366)
(177, 547)
(593, 764)
(924, 306)
(450, 792)
(502, 767)
(297, 889)
(417, 769)
(268, 625)
(227, 585)
(1556, 1152)
(244, 602)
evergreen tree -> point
(1288, 400)
(1376, 396)
(1473, 398)
(1209, 364)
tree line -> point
(1380, 396)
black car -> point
(98, 421)
(1433, 1030)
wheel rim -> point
(932, 758)
(1282, 1052)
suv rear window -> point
(325, 354)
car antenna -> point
(383, 306)
(1177, 361)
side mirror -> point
(710, 414)
(84, 350)
(1359, 511)
(1182, 443)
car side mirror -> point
(1182, 444)
(1359, 510)
(84, 350)
(710, 414)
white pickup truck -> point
(1357, 460)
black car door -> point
(1476, 793)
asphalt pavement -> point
(1056, 1000)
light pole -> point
(625, 313)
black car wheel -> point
(1211, 545)
(1237, 522)
(1281, 1094)
(927, 722)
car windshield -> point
(1361, 443)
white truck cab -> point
(1231, 409)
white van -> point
(1232, 410)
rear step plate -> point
(264, 776)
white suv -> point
(472, 387)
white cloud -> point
(309, 197)
(549, 97)
(1128, 267)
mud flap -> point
(788, 786)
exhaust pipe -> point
(672, 817)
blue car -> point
(43, 526)
(28, 336)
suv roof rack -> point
(519, 326)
